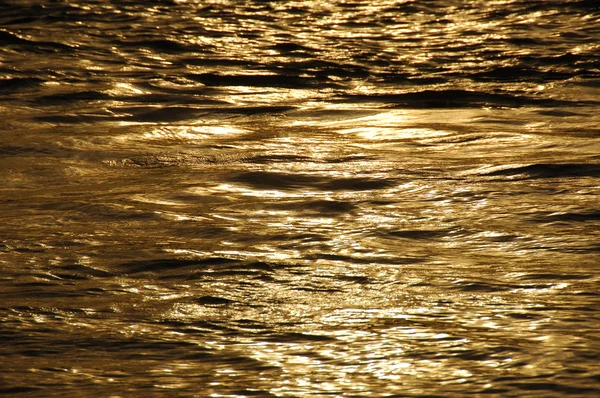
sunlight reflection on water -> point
(299, 198)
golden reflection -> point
(125, 89)
(191, 133)
(386, 133)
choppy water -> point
(295, 199)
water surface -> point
(223, 198)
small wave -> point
(570, 216)
(322, 207)
(548, 276)
(212, 300)
(362, 260)
(296, 338)
(270, 159)
(16, 84)
(163, 265)
(554, 388)
(16, 150)
(169, 269)
(165, 46)
(160, 160)
(520, 73)
(80, 272)
(484, 287)
(420, 234)
(451, 99)
(74, 97)
(11, 39)
(7, 38)
(256, 80)
(21, 390)
(272, 180)
(546, 170)
(170, 114)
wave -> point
(11, 39)
(262, 80)
(169, 114)
(17, 84)
(546, 170)
(214, 265)
(454, 99)
(285, 181)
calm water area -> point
(300, 198)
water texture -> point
(300, 198)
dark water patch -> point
(322, 207)
(288, 47)
(525, 316)
(8, 38)
(323, 68)
(256, 80)
(163, 114)
(20, 390)
(174, 87)
(286, 181)
(547, 170)
(174, 98)
(212, 300)
(192, 269)
(593, 215)
(483, 287)
(297, 338)
(408, 79)
(164, 46)
(255, 392)
(17, 84)
(452, 99)
(269, 159)
(587, 293)
(76, 118)
(520, 74)
(317, 289)
(420, 234)
(558, 113)
(254, 110)
(73, 97)
(220, 62)
(593, 82)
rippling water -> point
(260, 198)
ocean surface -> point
(300, 198)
